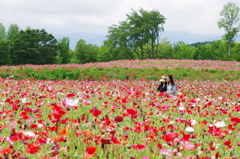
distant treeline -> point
(138, 37)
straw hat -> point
(164, 77)
(162, 80)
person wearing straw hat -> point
(163, 84)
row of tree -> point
(31, 46)
(213, 50)
(138, 37)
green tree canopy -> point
(64, 50)
(34, 47)
(85, 53)
(183, 51)
(13, 31)
(230, 23)
(3, 33)
(141, 28)
(4, 60)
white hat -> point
(164, 77)
(162, 80)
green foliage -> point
(165, 50)
(230, 22)
(4, 60)
(183, 51)
(110, 51)
(34, 47)
(203, 52)
(119, 73)
(219, 50)
(13, 31)
(64, 53)
(236, 52)
(85, 53)
(3, 33)
(197, 44)
(141, 29)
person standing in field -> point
(163, 84)
(171, 86)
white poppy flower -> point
(220, 124)
(24, 100)
(181, 108)
(29, 133)
(193, 122)
(189, 129)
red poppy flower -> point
(132, 111)
(105, 141)
(41, 140)
(91, 150)
(70, 95)
(235, 120)
(32, 149)
(227, 143)
(124, 100)
(118, 119)
(115, 140)
(23, 113)
(33, 126)
(15, 137)
(159, 146)
(139, 147)
(95, 112)
(170, 136)
(186, 137)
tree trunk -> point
(157, 47)
(229, 50)
(142, 53)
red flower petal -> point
(91, 150)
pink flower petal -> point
(165, 151)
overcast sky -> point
(95, 16)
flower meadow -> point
(119, 119)
(128, 70)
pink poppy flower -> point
(139, 147)
(165, 151)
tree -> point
(204, 52)
(230, 23)
(219, 50)
(3, 32)
(183, 51)
(85, 53)
(34, 47)
(64, 50)
(236, 50)
(4, 60)
(142, 28)
(165, 49)
(201, 43)
(13, 31)
(108, 51)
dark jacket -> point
(162, 88)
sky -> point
(65, 17)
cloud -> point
(95, 16)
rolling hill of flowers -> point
(128, 69)
(120, 116)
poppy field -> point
(119, 119)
